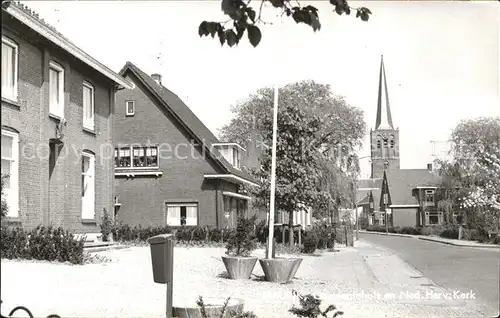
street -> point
(452, 267)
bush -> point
(126, 233)
(451, 232)
(242, 241)
(409, 230)
(310, 242)
(214, 235)
(42, 243)
(106, 226)
(380, 228)
(183, 234)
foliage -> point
(106, 225)
(245, 18)
(409, 230)
(380, 228)
(310, 307)
(471, 178)
(310, 242)
(232, 314)
(127, 233)
(42, 243)
(318, 136)
(5, 207)
(243, 241)
(450, 232)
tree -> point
(330, 130)
(245, 18)
(471, 179)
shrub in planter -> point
(310, 242)
(238, 262)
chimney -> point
(157, 78)
(429, 166)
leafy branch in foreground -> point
(309, 307)
(245, 18)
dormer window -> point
(236, 157)
(231, 152)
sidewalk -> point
(376, 282)
(438, 239)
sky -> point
(441, 58)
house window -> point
(429, 197)
(122, 158)
(433, 218)
(10, 168)
(236, 157)
(179, 214)
(130, 108)
(9, 68)
(88, 186)
(56, 90)
(136, 157)
(88, 106)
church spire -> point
(384, 119)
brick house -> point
(410, 195)
(56, 126)
(169, 168)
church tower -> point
(384, 138)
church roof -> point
(384, 118)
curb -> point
(430, 239)
(390, 234)
(458, 244)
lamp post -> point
(273, 173)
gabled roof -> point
(403, 181)
(195, 127)
(31, 19)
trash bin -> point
(162, 248)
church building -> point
(408, 196)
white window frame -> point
(172, 221)
(429, 192)
(88, 207)
(6, 92)
(12, 194)
(236, 158)
(88, 122)
(131, 149)
(132, 113)
(57, 110)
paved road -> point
(453, 267)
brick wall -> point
(143, 198)
(55, 198)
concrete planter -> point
(213, 308)
(239, 267)
(280, 270)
